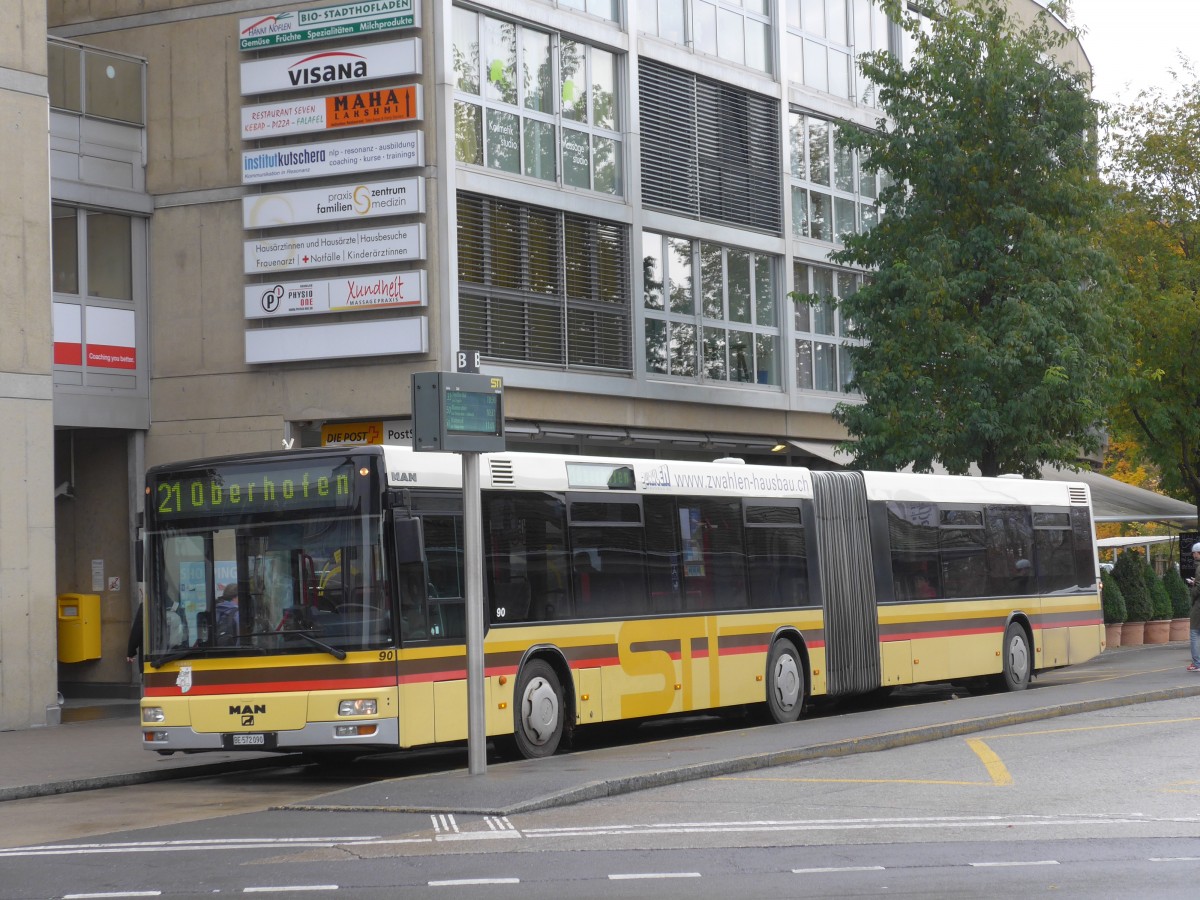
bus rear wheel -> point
(785, 683)
(1018, 661)
(538, 711)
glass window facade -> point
(832, 194)
(737, 32)
(536, 104)
(822, 335)
(711, 311)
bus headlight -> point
(153, 714)
(358, 708)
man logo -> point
(238, 710)
(247, 720)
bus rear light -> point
(358, 708)
(154, 737)
(349, 731)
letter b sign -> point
(467, 361)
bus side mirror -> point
(409, 540)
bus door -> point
(845, 573)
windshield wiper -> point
(160, 661)
(316, 642)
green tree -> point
(1155, 235)
(985, 328)
(1181, 602)
(1113, 602)
(1160, 600)
(1128, 573)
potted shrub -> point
(1128, 573)
(1181, 604)
(1158, 629)
(1113, 603)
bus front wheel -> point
(1018, 661)
(538, 713)
(785, 683)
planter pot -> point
(1180, 629)
(1112, 635)
(1132, 634)
(1158, 631)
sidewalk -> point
(98, 745)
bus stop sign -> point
(457, 412)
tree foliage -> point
(1113, 602)
(985, 325)
(1181, 601)
(1155, 236)
(1129, 573)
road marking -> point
(1175, 859)
(1000, 775)
(282, 888)
(444, 824)
(1015, 863)
(464, 882)
(203, 846)
(844, 825)
(633, 876)
(499, 823)
(838, 869)
(114, 894)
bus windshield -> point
(299, 577)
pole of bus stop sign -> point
(473, 564)
(463, 412)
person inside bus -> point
(227, 616)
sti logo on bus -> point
(329, 67)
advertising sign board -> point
(349, 293)
(345, 65)
(396, 243)
(314, 160)
(402, 103)
(327, 22)
(397, 197)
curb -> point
(613, 787)
(126, 779)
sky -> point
(1132, 43)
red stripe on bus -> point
(271, 687)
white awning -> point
(1137, 541)
(826, 450)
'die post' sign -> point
(458, 412)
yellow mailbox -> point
(78, 627)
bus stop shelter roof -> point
(1116, 501)
(1112, 500)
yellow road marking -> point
(1000, 775)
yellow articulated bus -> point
(313, 600)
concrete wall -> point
(27, 604)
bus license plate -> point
(249, 740)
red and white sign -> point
(110, 338)
(350, 293)
(68, 334)
(330, 68)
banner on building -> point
(325, 68)
(335, 203)
(327, 22)
(401, 103)
(341, 340)
(350, 293)
(314, 160)
(397, 243)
